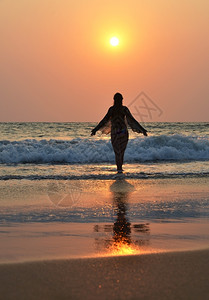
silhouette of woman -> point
(116, 121)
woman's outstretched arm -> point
(135, 126)
(103, 122)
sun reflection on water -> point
(123, 249)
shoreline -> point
(49, 260)
(167, 275)
(51, 241)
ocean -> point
(67, 151)
(58, 182)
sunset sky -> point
(57, 64)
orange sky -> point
(57, 63)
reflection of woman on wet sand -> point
(117, 117)
(122, 227)
(121, 240)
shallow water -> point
(60, 195)
(44, 219)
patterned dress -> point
(116, 121)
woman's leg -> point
(119, 161)
(119, 143)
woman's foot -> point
(120, 171)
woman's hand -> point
(93, 132)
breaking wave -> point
(82, 151)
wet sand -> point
(51, 241)
(176, 275)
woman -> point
(115, 121)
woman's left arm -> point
(102, 122)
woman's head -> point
(118, 99)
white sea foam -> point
(81, 151)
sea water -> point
(56, 173)
(67, 151)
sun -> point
(114, 41)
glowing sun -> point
(114, 41)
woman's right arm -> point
(135, 126)
(103, 122)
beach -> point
(72, 228)
(180, 275)
(47, 219)
(113, 242)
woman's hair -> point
(118, 100)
